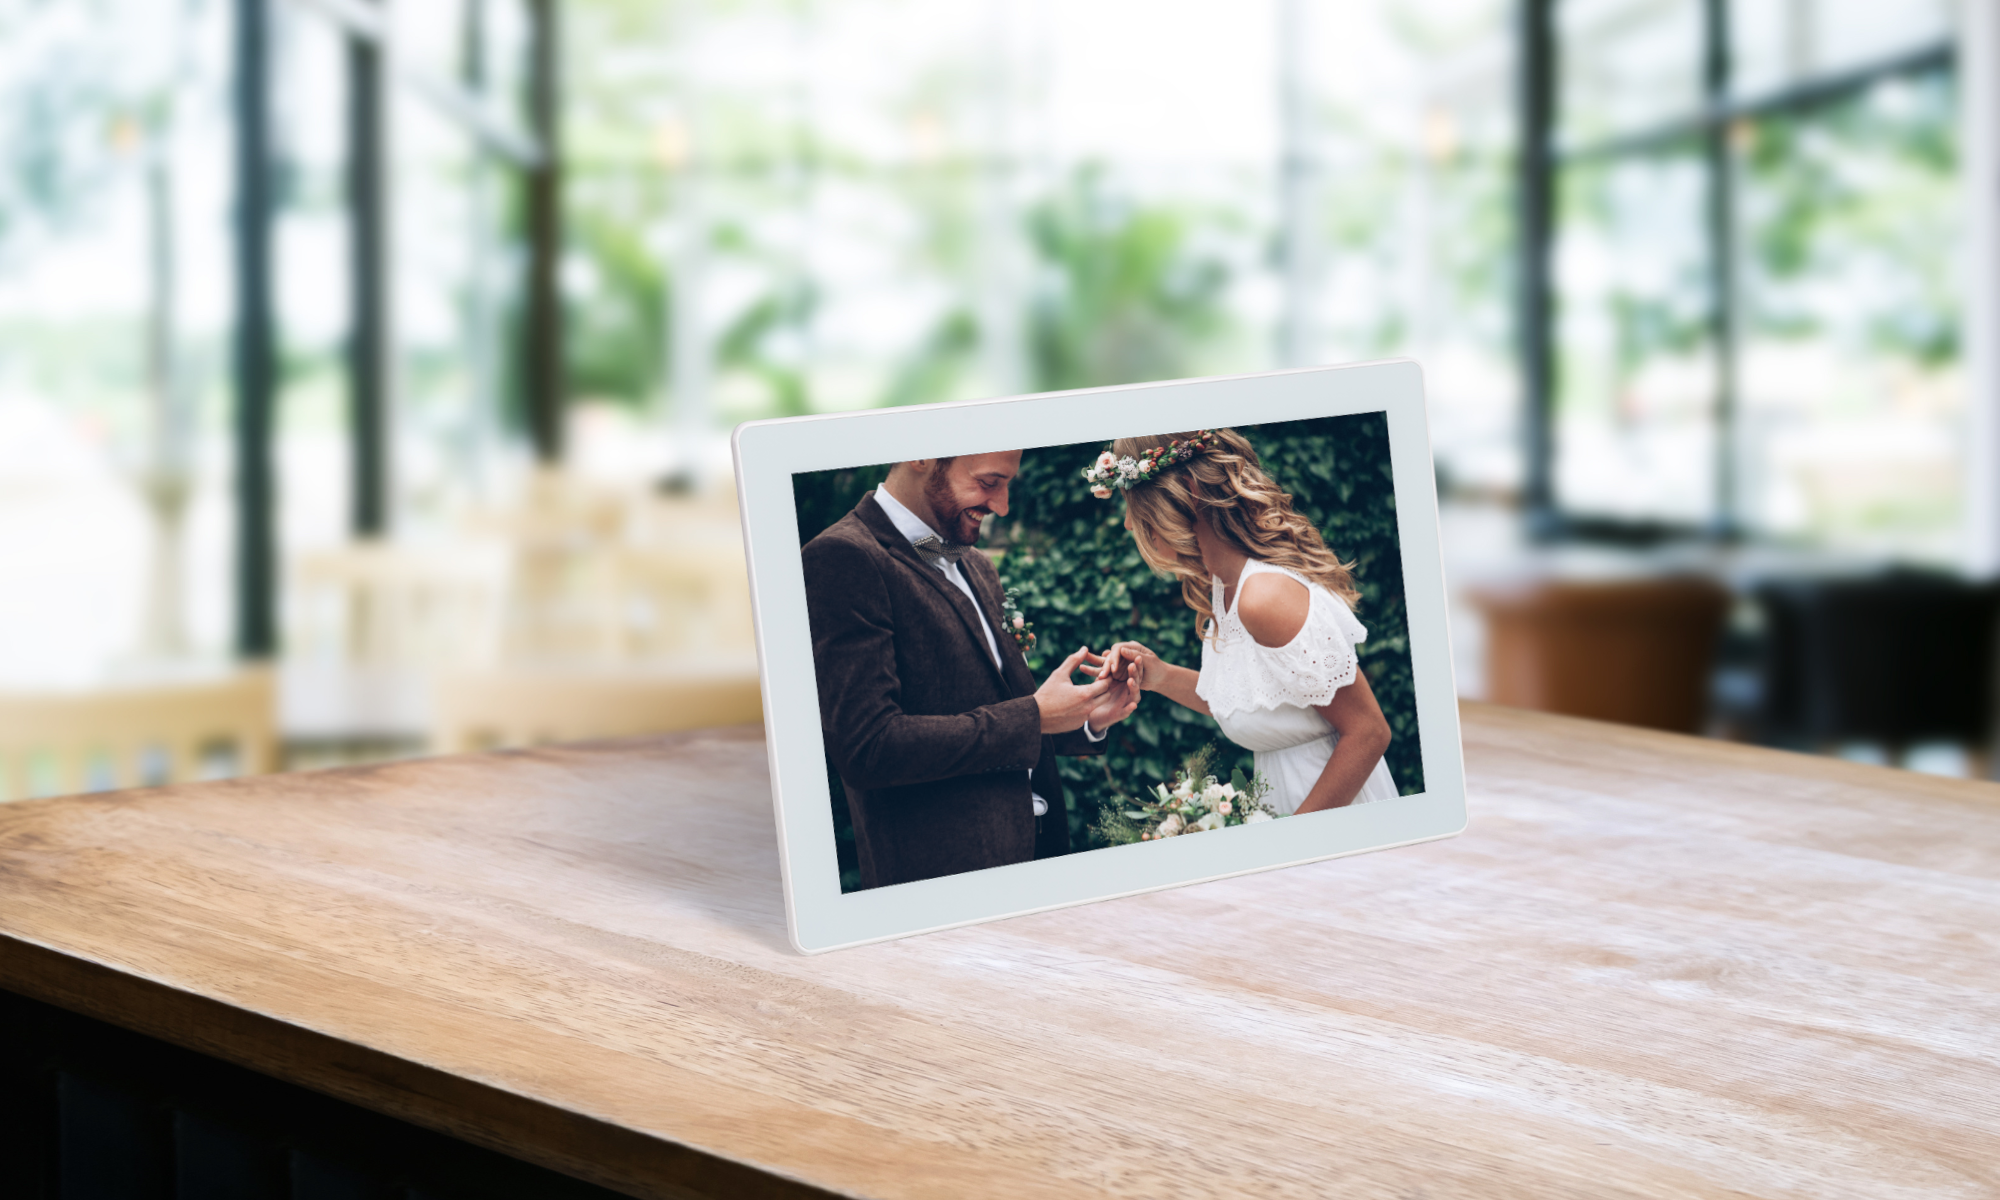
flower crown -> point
(1111, 471)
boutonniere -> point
(1014, 621)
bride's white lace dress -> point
(1263, 696)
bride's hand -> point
(1132, 660)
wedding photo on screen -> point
(1045, 651)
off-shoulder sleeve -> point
(1306, 671)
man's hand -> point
(1064, 705)
(1116, 705)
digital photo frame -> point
(927, 768)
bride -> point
(1279, 670)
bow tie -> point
(931, 548)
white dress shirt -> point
(915, 528)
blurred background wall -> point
(366, 366)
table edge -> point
(608, 1155)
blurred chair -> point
(560, 508)
(555, 540)
(1635, 651)
(137, 736)
(692, 597)
(381, 602)
(659, 516)
(525, 706)
(685, 577)
(630, 604)
(1896, 658)
(623, 577)
(562, 603)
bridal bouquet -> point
(1194, 800)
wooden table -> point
(1653, 966)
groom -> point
(945, 743)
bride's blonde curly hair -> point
(1247, 509)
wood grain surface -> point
(1653, 966)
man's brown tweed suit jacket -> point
(934, 743)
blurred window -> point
(1778, 43)
(768, 207)
(1848, 422)
(115, 299)
(117, 305)
(1626, 65)
(1755, 323)
(313, 280)
(1637, 382)
(835, 204)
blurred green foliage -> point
(1126, 292)
(1861, 191)
(72, 124)
(1658, 313)
(932, 372)
(1082, 582)
(615, 346)
(762, 342)
(1841, 210)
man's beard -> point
(957, 526)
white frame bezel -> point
(769, 453)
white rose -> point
(1145, 464)
(1106, 461)
(1101, 492)
(1211, 821)
(1169, 827)
(1254, 817)
(1229, 791)
(1212, 793)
